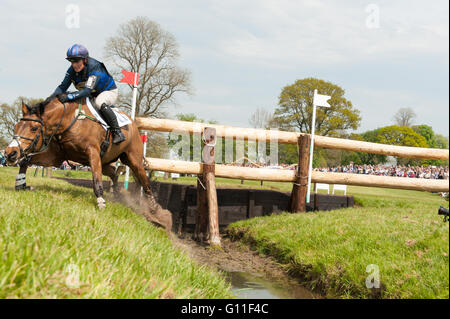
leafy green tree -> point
(367, 158)
(287, 153)
(402, 136)
(441, 141)
(296, 105)
(427, 132)
(319, 158)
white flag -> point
(321, 100)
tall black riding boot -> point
(111, 120)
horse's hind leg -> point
(138, 173)
(158, 215)
(110, 171)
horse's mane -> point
(39, 108)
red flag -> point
(129, 77)
(144, 138)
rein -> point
(46, 141)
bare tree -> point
(157, 145)
(261, 118)
(11, 114)
(405, 116)
(142, 46)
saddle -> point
(122, 120)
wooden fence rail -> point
(164, 125)
(280, 175)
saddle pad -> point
(122, 119)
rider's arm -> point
(65, 83)
(86, 91)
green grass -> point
(78, 174)
(51, 234)
(121, 256)
(397, 230)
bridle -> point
(46, 140)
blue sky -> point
(242, 53)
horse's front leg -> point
(21, 183)
(96, 168)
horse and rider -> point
(53, 131)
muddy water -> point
(252, 286)
(251, 276)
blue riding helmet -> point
(77, 51)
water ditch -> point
(251, 276)
(251, 286)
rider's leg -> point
(110, 117)
(104, 102)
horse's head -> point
(28, 133)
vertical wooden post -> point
(208, 163)
(251, 204)
(298, 195)
(201, 221)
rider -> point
(91, 78)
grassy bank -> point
(54, 243)
(396, 230)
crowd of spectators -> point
(262, 165)
(429, 172)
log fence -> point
(207, 213)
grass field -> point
(120, 255)
(54, 243)
(398, 231)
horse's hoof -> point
(101, 203)
(165, 217)
(24, 188)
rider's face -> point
(78, 65)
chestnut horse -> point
(51, 132)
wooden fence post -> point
(298, 195)
(201, 221)
(208, 163)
